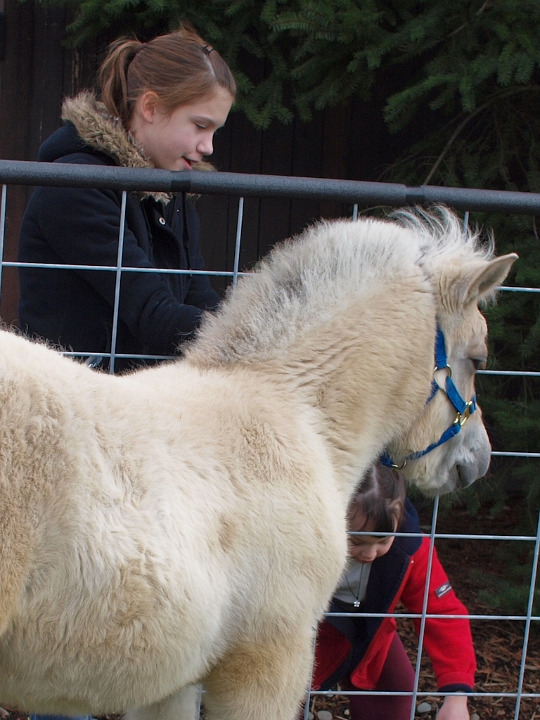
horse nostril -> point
(466, 475)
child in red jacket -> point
(365, 653)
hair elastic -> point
(207, 49)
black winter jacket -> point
(74, 308)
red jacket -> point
(358, 647)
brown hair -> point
(179, 67)
(380, 499)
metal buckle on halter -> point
(462, 418)
(448, 375)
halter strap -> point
(464, 408)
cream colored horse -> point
(185, 524)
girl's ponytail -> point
(113, 77)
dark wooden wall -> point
(38, 71)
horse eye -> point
(479, 363)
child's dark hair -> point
(380, 498)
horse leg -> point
(260, 681)
(181, 705)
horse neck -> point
(363, 362)
(367, 373)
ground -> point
(498, 643)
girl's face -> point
(175, 140)
(366, 548)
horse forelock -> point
(309, 280)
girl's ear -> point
(148, 103)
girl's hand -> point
(454, 708)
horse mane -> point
(303, 282)
(444, 238)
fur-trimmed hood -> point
(89, 128)
(104, 133)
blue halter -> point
(464, 408)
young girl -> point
(160, 104)
(365, 653)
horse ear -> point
(482, 281)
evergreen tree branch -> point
(490, 101)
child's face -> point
(366, 548)
(178, 139)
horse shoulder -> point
(33, 421)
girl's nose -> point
(368, 554)
(205, 145)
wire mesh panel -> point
(519, 695)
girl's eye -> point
(479, 363)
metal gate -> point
(357, 194)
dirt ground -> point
(498, 643)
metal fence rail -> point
(357, 193)
(16, 172)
